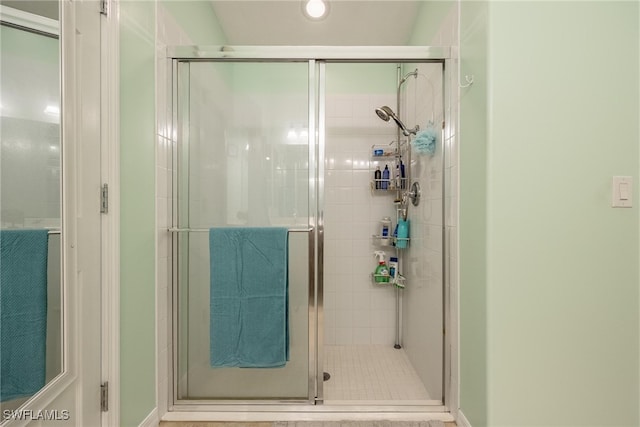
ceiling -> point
(348, 23)
(46, 8)
(282, 22)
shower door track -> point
(314, 55)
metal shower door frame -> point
(316, 57)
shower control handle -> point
(414, 194)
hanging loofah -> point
(425, 141)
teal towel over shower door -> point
(23, 312)
(249, 297)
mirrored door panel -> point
(30, 201)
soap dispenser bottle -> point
(381, 273)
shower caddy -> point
(394, 185)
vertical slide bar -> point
(320, 214)
(313, 225)
(396, 291)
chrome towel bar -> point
(202, 230)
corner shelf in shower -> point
(398, 282)
(391, 241)
(375, 276)
(390, 188)
(384, 151)
(385, 155)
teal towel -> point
(249, 297)
(23, 312)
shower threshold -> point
(315, 413)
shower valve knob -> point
(414, 194)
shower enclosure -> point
(276, 137)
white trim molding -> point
(110, 158)
(462, 421)
(151, 420)
(28, 20)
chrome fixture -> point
(412, 73)
(386, 113)
(414, 194)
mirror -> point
(30, 200)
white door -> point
(72, 395)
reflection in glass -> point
(30, 199)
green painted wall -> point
(137, 211)
(559, 287)
(473, 213)
(345, 78)
(430, 17)
(197, 19)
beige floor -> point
(240, 424)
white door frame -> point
(87, 239)
(334, 54)
(89, 99)
(110, 171)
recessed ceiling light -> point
(315, 9)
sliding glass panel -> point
(383, 340)
(242, 161)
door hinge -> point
(104, 199)
(104, 396)
(104, 7)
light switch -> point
(624, 191)
(621, 192)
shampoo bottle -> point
(385, 177)
(385, 231)
(377, 177)
(403, 233)
(393, 268)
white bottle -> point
(393, 268)
(385, 231)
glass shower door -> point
(241, 160)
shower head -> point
(386, 113)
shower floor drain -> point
(326, 376)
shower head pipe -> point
(386, 113)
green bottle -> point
(381, 274)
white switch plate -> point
(621, 192)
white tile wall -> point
(357, 311)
